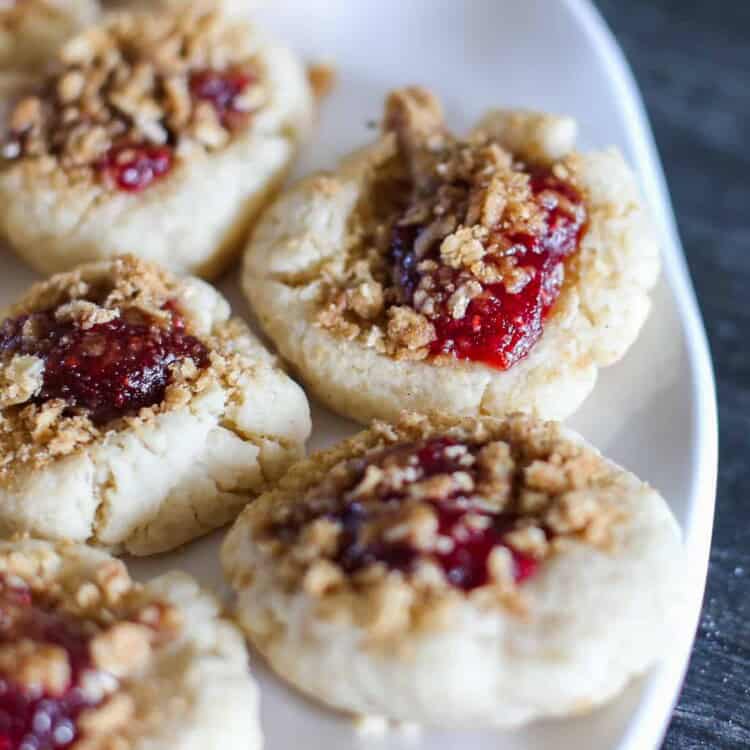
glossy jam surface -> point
(499, 327)
(222, 89)
(134, 167)
(30, 719)
(466, 563)
(109, 370)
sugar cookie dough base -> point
(594, 621)
(594, 322)
(155, 485)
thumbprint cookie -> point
(135, 413)
(162, 131)
(458, 572)
(476, 276)
(93, 661)
(31, 31)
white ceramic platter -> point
(654, 412)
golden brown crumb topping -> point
(70, 642)
(98, 349)
(399, 523)
(447, 232)
(148, 86)
(322, 78)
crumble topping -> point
(100, 349)
(322, 78)
(20, 379)
(69, 646)
(457, 249)
(401, 522)
(126, 99)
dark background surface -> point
(692, 60)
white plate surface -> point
(654, 412)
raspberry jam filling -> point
(30, 718)
(500, 326)
(111, 369)
(465, 555)
(134, 167)
(223, 89)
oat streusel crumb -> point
(399, 523)
(322, 77)
(157, 84)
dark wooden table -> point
(692, 60)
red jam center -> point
(466, 563)
(500, 328)
(111, 369)
(222, 89)
(134, 167)
(30, 719)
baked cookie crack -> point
(101, 491)
(303, 278)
